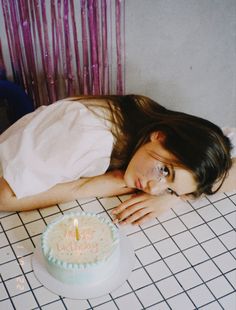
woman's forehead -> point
(158, 151)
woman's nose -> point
(155, 187)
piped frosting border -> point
(75, 266)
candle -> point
(76, 229)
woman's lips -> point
(138, 184)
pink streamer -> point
(70, 78)
(55, 46)
(86, 88)
(37, 90)
(119, 86)
(105, 88)
(93, 47)
(12, 42)
(2, 65)
(99, 53)
(47, 56)
(61, 43)
(76, 47)
(58, 61)
(31, 77)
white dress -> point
(58, 143)
(55, 144)
(231, 134)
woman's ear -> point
(157, 136)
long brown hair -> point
(198, 145)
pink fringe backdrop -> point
(60, 48)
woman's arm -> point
(105, 185)
(143, 207)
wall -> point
(182, 54)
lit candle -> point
(76, 229)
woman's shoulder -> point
(88, 100)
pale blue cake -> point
(89, 259)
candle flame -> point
(76, 229)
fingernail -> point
(122, 223)
(115, 221)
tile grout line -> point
(9, 296)
(172, 273)
(26, 279)
(153, 245)
(227, 250)
(200, 244)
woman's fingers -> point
(144, 219)
(133, 213)
(137, 215)
(129, 202)
(129, 211)
(144, 207)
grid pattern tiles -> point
(185, 258)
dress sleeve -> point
(59, 143)
(231, 134)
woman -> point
(112, 145)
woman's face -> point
(151, 171)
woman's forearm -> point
(109, 184)
(105, 185)
(9, 202)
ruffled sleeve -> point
(55, 144)
(231, 134)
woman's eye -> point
(165, 170)
(169, 190)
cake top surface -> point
(79, 238)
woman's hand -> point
(143, 207)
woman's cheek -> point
(155, 188)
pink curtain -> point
(60, 48)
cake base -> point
(75, 291)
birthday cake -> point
(81, 248)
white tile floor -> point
(185, 259)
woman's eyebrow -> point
(172, 173)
